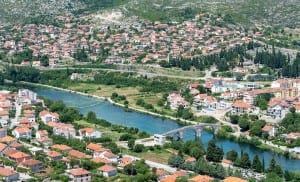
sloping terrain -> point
(267, 12)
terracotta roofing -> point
(226, 161)
(53, 154)
(31, 162)
(201, 178)
(18, 155)
(4, 112)
(234, 179)
(101, 160)
(160, 172)
(107, 168)
(124, 161)
(7, 139)
(180, 173)
(267, 128)
(2, 146)
(87, 130)
(190, 159)
(10, 152)
(109, 155)
(6, 172)
(79, 172)
(42, 132)
(16, 145)
(94, 147)
(78, 154)
(61, 147)
(171, 178)
(241, 104)
(22, 130)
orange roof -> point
(109, 155)
(180, 173)
(124, 161)
(61, 147)
(22, 130)
(190, 159)
(2, 146)
(160, 172)
(10, 152)
(267, 128)
(234, 179)
(31, 162)
(78, 154)
(94, 147)
(52, 124)
(241, 104)
(53, 154)
(201, 178)
(44, 139)
(6, 172)
(4, 112)
(42, 132)
(107, 168)
(16, 145)
(79, 172)
(18, 155)
(87, 130)
(171, 178)
(101, 160)
(226, 161)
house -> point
(3, 148)
(54, 156)
(8, 175)
(3, 132)
(78, 155)
(47, 116)
(240, 107)
(234, 179)
(201, 178)
(269, 130)
(79, 175)
(26, 96)
(22, 132)
(8, 140)
(227, 163)
(108, 171)
(30, 115)
(277, 109)
(190, 160)
(93, 147)
(292, 136)
(160, 173)
(41, 133)
(170, 178)
(159, 139)
(109, 156)
(124, 161)
(3, 123)
(35, 166)
(65, 130)
(89, 133)
(16, 155)
(102, 160)
(17, 146)
(177, 100)
(61, 147)
(4, 115)
(45, 141)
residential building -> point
(54, 156)
(22, 132)
(177, 100)
(8, 175)
(277, 108)
(108, 171)
(4, 115)
(234, 179)
(240, 107)
(47, 116)
(79, 175)
(16, 155)
(3, 132)
(269, 130)
(35, 166)
(61, 147)
(201, 178)
(65, 130)
(41, 133)
(89, 133)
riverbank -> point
(178, 120)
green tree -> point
(214, 153)
(138, 148)
(175, 160)
(131, 143)
(91, 116)
(257, 165)
(232, 155)
(245, 161)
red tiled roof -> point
(6, 172)
(79, 172)
(107, 168)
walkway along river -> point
(151, 124)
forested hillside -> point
(270, 12)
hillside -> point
(267, 12)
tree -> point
(91, 116)
(232, 155)
(214, 153)
(131, 143)
(175, 160)
(257, 165)
(196, 152)
(244, 124)
(245, 161)
(138, 148)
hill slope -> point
(270, 12)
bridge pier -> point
(216, 130)
(198, 132)
(180, 135)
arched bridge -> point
(197, 128)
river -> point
(153, 125)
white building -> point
(47, 116)
(159, 139)
(89, 133)
(22, 132)
(79, 175)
